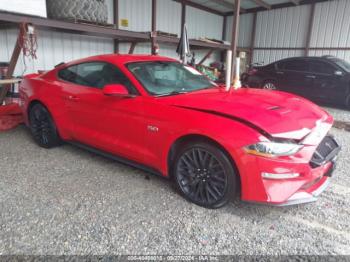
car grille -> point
(325, 152)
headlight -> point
(273, 149)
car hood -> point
(279, 114)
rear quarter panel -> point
(44, 89)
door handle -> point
(280, 73)
(311, 76)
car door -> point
(108, 123)
(326, 79)
(291, 76)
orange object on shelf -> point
(10, 114)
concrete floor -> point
(69, 201)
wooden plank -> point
(132, 48)
(10, 81)
(206, 56)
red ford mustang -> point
(157, 114)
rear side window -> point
(68, 74)
(321, 67)
(96, 75)
(295, 65)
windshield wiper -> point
(173, 93)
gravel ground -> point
(69, 201)
(339, 114)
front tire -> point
(43, 128)
(204, 175)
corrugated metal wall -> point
(139, 16)
(245, 30)
(53, 48)
(332, 28)
(281, 28)
(287, 28)
(276, 28)
(203, 24)
(199, 24)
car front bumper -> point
(311, 194)
(305, 188)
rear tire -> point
(347, 102)
(269, 85)
(205, 175)
(43, 128)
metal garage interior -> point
(69, 201)
(269, 30)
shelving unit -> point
(100, 31)
(71, 27)
(196, 44)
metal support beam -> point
(206, 56)
(116, 23)
(224, 29)
(309, 30)
(281, 5)
(235, 32)
(262, 4)
(154, 26)
(252, 41)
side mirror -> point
(338, 73)
(116, 90)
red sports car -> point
(157, 114)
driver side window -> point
(96, 75)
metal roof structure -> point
(225, 7)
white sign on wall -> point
(29, 7)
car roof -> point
(322, 58)
(121, 59)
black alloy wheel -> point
(205, 175)
(42, 127)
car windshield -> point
(161, 78)
(342, 63)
